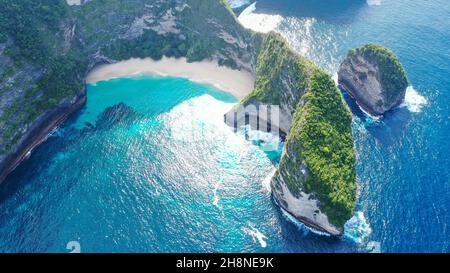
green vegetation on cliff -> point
(31, 25)
(185, 41)
(321, 135)
(393, 76)
(34, 34)
(278, 66)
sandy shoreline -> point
(238, 83)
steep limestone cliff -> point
(373, 75)
(316, 180)
(281, 78)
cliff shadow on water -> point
(391, 128)
(337, 11)
(41, 158)
(388, 129)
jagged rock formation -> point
(373, 75)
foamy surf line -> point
(259, 22)
(238, 3)
(413, 100)
(256, 235)
(237, 83)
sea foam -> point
(357, 229)
(216, 198)
(413, 100)
(266, 182)
(234, 4)
(374, 2)
(257, 21)
(256, 235)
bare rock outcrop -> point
(373, 75)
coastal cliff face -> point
(47, 49)
(316, 179)
(374, 76)
(281, 78)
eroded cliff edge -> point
(374, 76)
(316, 179)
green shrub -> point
(321, 135)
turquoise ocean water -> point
(148, 164)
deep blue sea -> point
(149, 166)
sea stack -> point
(373, 75)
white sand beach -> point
(238, 83)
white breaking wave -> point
(256, 235)
(234, 4)
(372, 118)
(249, 10)
(336, 78)
(267, 180)
(257, 21)
(374, 2)
(357, 229)
(73, 2)
(265, 140)
(373, 247)
(302, 38)
(413, 100)
(216, 197)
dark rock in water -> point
(89, 125)
(119, 114)
(373, 75)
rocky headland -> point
(316, 180)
